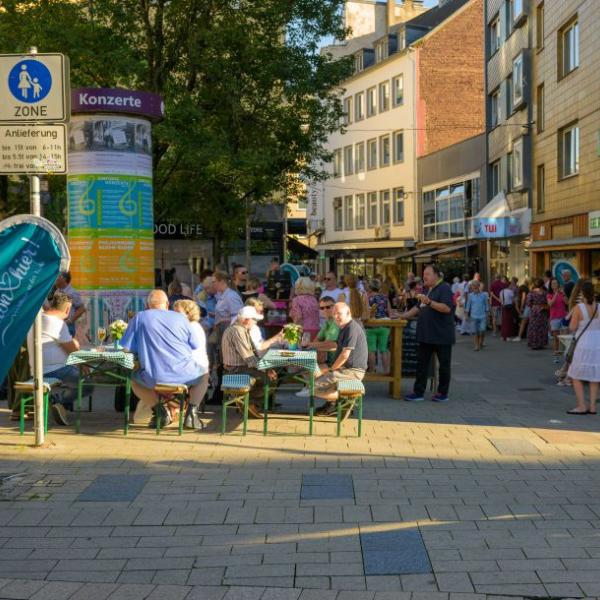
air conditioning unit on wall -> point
(382, 232)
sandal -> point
(577, 412)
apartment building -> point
(505, 221)
(566, 138)
(367, 214)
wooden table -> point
(395, 377)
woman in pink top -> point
(304, 309)
(557, 302)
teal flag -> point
(32, 253)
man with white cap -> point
(239, 356)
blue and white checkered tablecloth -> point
(119, 358)
(305, 359)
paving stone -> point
(21, 589)
(136, 577)
(244, 593)
(454, 582)
(564, 590)
(348, 583)
(344, 595)
(383, 582)
(310, 594)
(114, 488)
(419, 583)
(132, 592)
(206, 593)
(169, 592)
(281, 594)
(321, 583)
(395, 595)
(84, 576)
(515, 447)
(94, 591)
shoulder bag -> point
(573, 344)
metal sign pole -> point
(38, 364)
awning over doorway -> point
(299, 249)
(426, 254)
(497, 220)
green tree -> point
(249, 98)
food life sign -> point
(34, 88)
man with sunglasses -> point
(331, 288)
(239, 278)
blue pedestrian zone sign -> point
(30, 81)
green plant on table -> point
(117, 329)
(292, 334)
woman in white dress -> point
(586, 359)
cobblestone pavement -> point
(493, 495)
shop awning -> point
(425, 254)
(581, 242)
(497, 220)
(368, 245)
(297, 248)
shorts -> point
(479, 325)
(328, 382)
(135, 376)
(377, 338)
(497, 312)
(556, 324)
(526, 312)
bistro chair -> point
(28, 398)
(236, 393)
(350, 393)
(166, 393)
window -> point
(495, 108)
(384, 198)
(348, 111)
(509, 94)
(398, 146)
(358, 63)
(371, 102)
(371, 154)
(541, 189)
(444, 209)
(360, 211)
(517, 11)
(517, 82)
(381, 50)
(359, 155)
(568, 151)
(495, 178)
(372, 209)
(539, 26)
(399, 205)
(509, 167)
(384, 151)
(517, 164)
(494, 29)
(337, 163)
(337, 214)
(384, 96)
(348, 160)
(359, 106)
(348, 212)
(398, 90)
(540, 108)
(401, 39)
(568, 47)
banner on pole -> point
(32, 254)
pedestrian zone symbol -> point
(30, 81)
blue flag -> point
(32, 253)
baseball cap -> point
(249, 312)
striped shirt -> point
(237, 347)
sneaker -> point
(414, 398)
(59, 412)
(326, 410)
(439, 397)
(164, 414)
(143, 413)
(192, 420)
(303, 393)
(516, 339)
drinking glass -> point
(101, 333)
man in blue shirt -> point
(163, 341)
(477, 309)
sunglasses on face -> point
(325, 307)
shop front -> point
(570, 243)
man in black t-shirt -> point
(435, 334)
(568, 284)
(350, 359)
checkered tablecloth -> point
(119, 358)
(305, 359)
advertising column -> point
(110, 198)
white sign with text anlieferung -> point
(33, 150)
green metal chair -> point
(350, 393)
(166, 392)
(27, 390)
(236, 394)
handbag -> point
(571, 350)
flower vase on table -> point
(292, 334)
(117, 331)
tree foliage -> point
(249, 98)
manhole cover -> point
(532, 389)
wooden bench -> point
(350, 393)
(236, 393)
(28, 397)
(166, 391)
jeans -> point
(425, 353)
(67, 393)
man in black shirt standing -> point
(568, 283)
(435, 334)
(350, 359)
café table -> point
(103, 368)
(306, 360)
